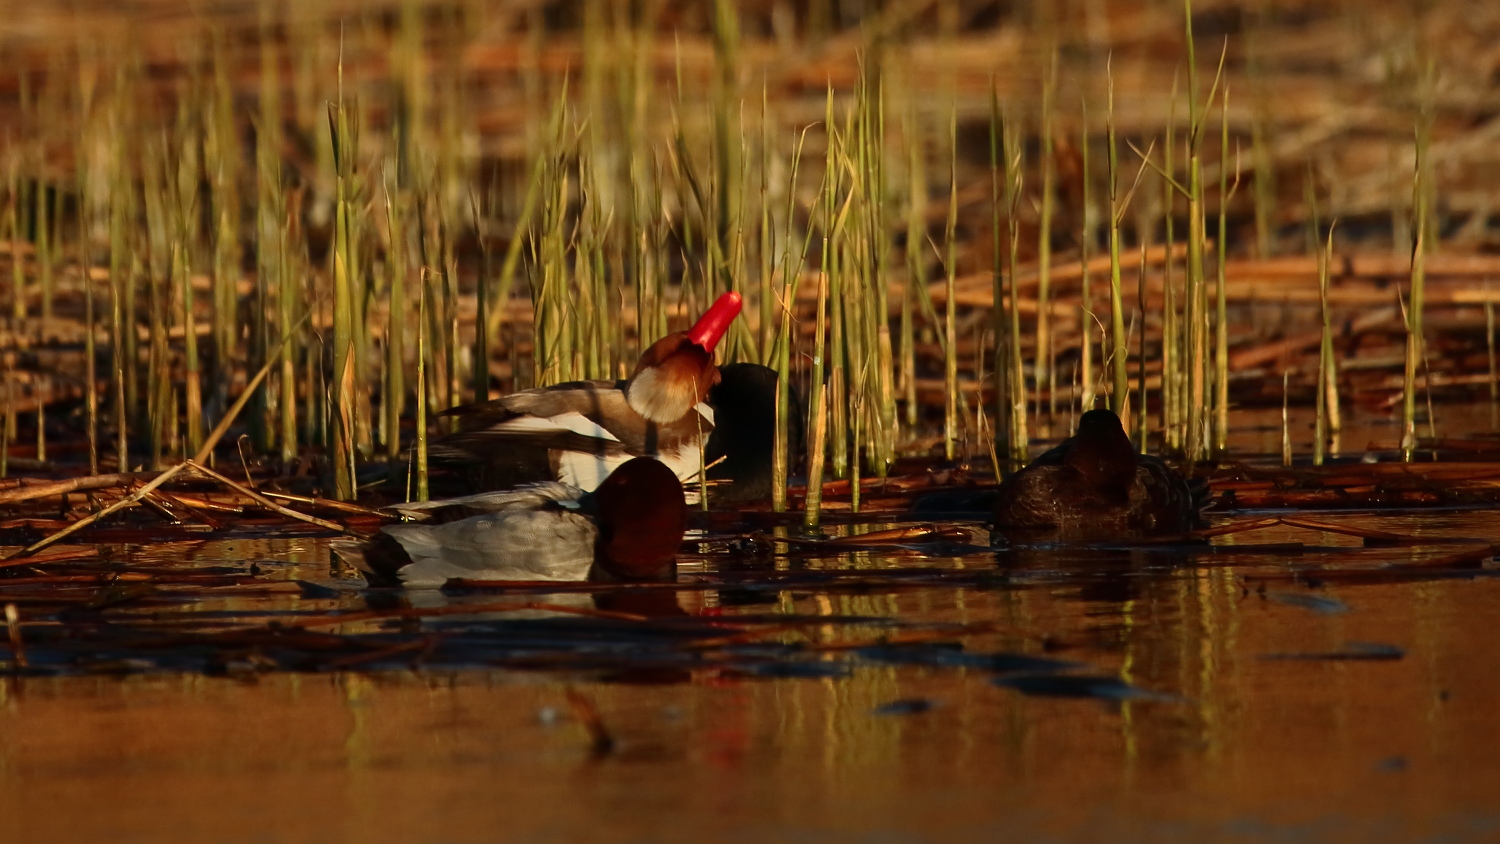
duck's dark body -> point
(1096, 484)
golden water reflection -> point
(1238, 747)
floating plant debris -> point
(1351, 651)
(1320, 604)
(1076, 685)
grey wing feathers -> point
(496, 427)
(516, 545)
(1172, 497)
(528, 497)
(1026, 498)
(585, 397)
(545, 401)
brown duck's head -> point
(677, 371)
(1102, 452)
(642, 517)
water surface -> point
(1274, 693)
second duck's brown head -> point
(642, 516)
(1102, 453)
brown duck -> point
(1095, 484)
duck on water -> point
(578, 432)
(628, 529)
(1095, 484)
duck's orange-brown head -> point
(1102, 453)
(677, 371)
(642, 517)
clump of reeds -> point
(620, 200)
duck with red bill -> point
(578, 432)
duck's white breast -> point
(586, 470)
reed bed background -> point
(956, 224)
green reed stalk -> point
(1327, 389)
(269, 219)
(1286, 420)
(594, 326)
(361, 295)
(188, 176)
(914, 290)
(1198, 440)
(1414, 311)
(998, 324)
(45, 221)
(518, 239)
(1221, 308)
(818, 403)
(767, 268)
(1196, 312)
(1143, 413)
(158, 389)
(315, 389)
(1085, 283)
(429, 259)
(648, 256)
(134, 405)
(85, 262)
(1046, 380)
(421, 433)
(725, 226)
(1173, 379)
(1423, 230)
(8, 421)
(222, 158)
(950, 308)
(818, 406)
(1119, 399)
(397, 266)
(289, 294)
(449, 278)
(1489, 345)
(838, 364)
(862, 254)
(344, 267)
(120, 215)
(1020, 440)
(15, 209)
(551, 352)
(1197, 315)
(480, 306)
(856, 250)
(550, 299)
(878, 237)
(791, 272)
(854, 462)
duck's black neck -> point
(1102, 452)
